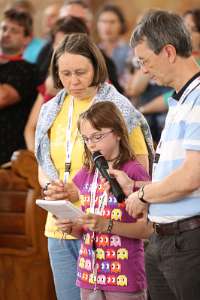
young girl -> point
(111, 260)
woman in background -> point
(111, 25)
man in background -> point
(18, 82)
(35, 44)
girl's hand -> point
(64, 225)
(95, 223)
(57, 190)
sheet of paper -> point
(63, 209)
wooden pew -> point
(25, 272)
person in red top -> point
(18, 82)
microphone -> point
(102, 165)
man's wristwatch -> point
(141, 195)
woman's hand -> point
(64, 225)
(95, 223)
(57, 190)
(69, 227)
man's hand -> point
(124, 181)
(135, 207)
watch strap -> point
(141, 195)
(110, 226)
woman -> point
(46, 89)
(79, 69)
(62, 27)
(111, 25)
(192, 22)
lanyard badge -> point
(69, 144)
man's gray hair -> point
(159, 28)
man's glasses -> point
(142, 62)
(97, 137)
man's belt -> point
(177, 227)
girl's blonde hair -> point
(105, 114)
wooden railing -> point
(25, 272)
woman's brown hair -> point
(105, 114)
(80, 44)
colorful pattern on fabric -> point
(119, 260)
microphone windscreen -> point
(99, 160)
(96, 155)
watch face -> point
(141, 193)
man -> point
(34, 44)
(50, 16)
(163, 47)
(17, 82)
(79, 9)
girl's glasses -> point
(97, 137)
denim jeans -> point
(105, 295)
(173, 266)
(63, 258)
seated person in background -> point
(111, 25)
(50, 16)
(18, 82)
(192, 21)
(34, 44)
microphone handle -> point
(115, 187)
(117, 190)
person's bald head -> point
(50, 16)
(77, 9)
